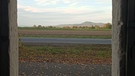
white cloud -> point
(70, 1)
(67, 1)
(54, 2)
(29, 8)
(69, 10)
(47, 2)
(103, 1)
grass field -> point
(78, 54)
(66, 33)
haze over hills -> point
(87, 23)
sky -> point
(55, 12)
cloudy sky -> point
(54, 12)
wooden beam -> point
(13, 36)
(4, 38)
(131, 38)
(119, 37)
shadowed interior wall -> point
(4, 38)
(131, 38)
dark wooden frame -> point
(130, 70)
(4, 38)
(123, 35)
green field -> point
(80, 54)
(63, 33)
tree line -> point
(105, 26)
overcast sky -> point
(54, 12)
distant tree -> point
(39, 26)
(74, 26)
(97, 27)
(67, 27)
(108, 26)
(34, 26)
(43, 26)
(92, 27)
(85, 26)
(50, 26)
(80, 27)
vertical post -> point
(13, 35)
(119, 37)
(4, 38)
(8, 38)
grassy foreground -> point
(78, 54)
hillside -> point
(87, 23)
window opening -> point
(63, 37)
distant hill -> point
(87, 23)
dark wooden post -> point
(131, 38)
(8, 38)
(123, 45)
(4, 38)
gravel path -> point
(55, 69)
